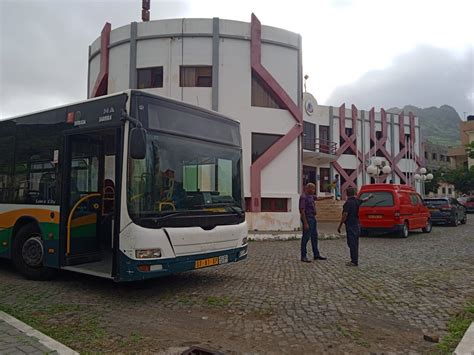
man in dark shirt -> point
(308, 217)
(350, 217)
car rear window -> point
(380, 198)
(436, 202)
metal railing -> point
(319, 145)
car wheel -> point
(404, 232)
(464, 220)
(454, 221)
(428, 227)
(28, 254)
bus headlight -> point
(147, 253)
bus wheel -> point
(28, 253)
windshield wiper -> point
(168, 215)
(237, 211)
(240, 213)
(377, 203)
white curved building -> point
(253, 73)
(244, 70)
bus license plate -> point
(224, 259)
(374, 216)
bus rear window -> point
(382, 199)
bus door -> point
(84, 176)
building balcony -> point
(318, 151)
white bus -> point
(127, 186)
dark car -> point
(468, 203)
(446, 210)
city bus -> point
(128, 186)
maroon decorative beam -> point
(349, 141)
(404, 151)
(378, 144)
(100, 86)
(283, 99)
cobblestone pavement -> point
(271, 303)
(14, 342)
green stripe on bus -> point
(5, 238)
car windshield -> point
(379, 198)
(182, 176)
(436, 202)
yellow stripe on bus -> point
(84, 220)
(8, 219)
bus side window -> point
(6, 167)
(35, 173)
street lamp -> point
(378, 168)
(423, 177)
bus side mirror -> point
(137, 143)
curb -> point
(466, 346)
(42, 338)
(290, 236)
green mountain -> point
(438, 125)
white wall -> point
(119, 68)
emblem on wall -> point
(309, 107)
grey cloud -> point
(44, 45)
(424, 77)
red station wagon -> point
(392, 209)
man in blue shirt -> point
(308, 217)
(350, 217)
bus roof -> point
(128, 92)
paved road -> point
(270, 303)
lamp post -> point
(378, 168)
(422, 178)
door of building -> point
(324, 139)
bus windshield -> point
(181, 176)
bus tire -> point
(28, 253)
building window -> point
(261, 142)
(442, 157)
(309, 136)
(150, 78)
(426, 155)
(450, 191)
(195, 76)
(261, 96)
(274, 205)
(443, 190)
(433, 156)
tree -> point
(461, 178)
(470, 150)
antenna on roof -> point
(146, 10)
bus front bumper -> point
(135, 270)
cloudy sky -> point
(380, 53)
